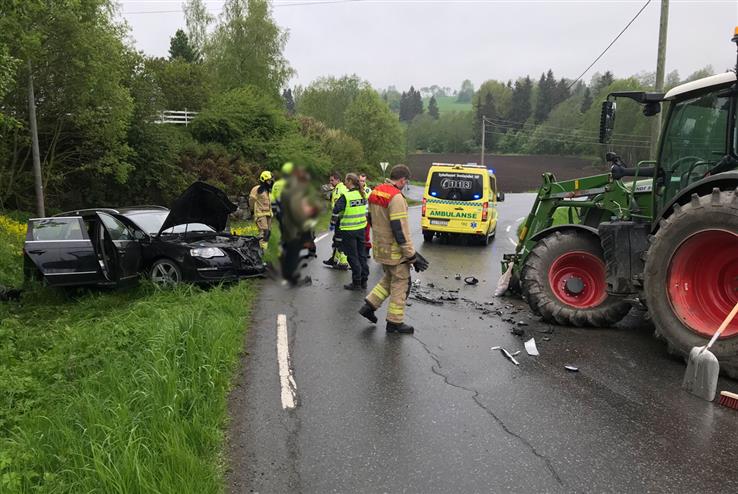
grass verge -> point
(118, 391)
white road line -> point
(513, 242)
(507, 229)
(286, 379)
(322, 237)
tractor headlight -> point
(207, 252)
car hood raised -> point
(200, 203)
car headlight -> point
(207, 252)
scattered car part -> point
(509, 356)
(471, 280)
(530, 347)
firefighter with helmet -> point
(261, 206)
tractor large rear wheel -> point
(691, 281)
(563, 280)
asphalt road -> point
(440, 412)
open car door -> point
(118, 250)
(61, 249)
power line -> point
(611, 43)
(594, 133)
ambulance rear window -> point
(454, 186)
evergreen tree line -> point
(546, 116)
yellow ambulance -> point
(460, 199)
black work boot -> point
(364, 284)
(399, 327)
(368, 312)
(352, 287)
(330, 262)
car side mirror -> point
(141, 236)
(500, 197)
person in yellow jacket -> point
(276, 193)
(393, 249)
(350, 218)
(261, 206)
(338, 259)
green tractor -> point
(663, 234)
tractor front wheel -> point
(691, 281)
(563, 280)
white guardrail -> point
(176, 117)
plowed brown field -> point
(514, 173)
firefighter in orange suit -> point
(393, 249)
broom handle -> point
(723, 326)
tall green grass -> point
(118, 392)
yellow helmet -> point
(287, 168)
(265, 176)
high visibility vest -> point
(339, 190)
(276, 193)
(354, 216)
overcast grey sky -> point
(427, 42)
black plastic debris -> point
(471, 280)
(424, 298)
(457, 277)
(522, 323)
(518, 331)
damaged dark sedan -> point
(114, 246)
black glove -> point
(419, 262)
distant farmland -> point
(448, 104)
(514, 173)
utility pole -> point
(660, 69)
(484, 132)
(34, 145)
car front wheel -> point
(165, 273)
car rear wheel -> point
(691, 280)
(563, 280)
(165, 273)
(428, 237)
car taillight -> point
(485, 208)
(422, 210)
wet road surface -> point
(440, 412)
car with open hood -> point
(115, 246)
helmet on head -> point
(287, 168)
(265, 176)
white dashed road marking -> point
(286, 379)
(513, 242)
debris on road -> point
(424, 298)
(728, 399)
(571, 368)
(471, 280)
(457, 277)
(504, 282)
(507, 355)
(518, 332)
(546, 338)
(531, 348)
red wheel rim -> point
(578, 279)
(703, 281)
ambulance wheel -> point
(485, 240)
(428, 237)
(563, 280)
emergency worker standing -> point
(260, 205)
(276, 193)
(350, 217)
(338, 259)
(393, 249)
